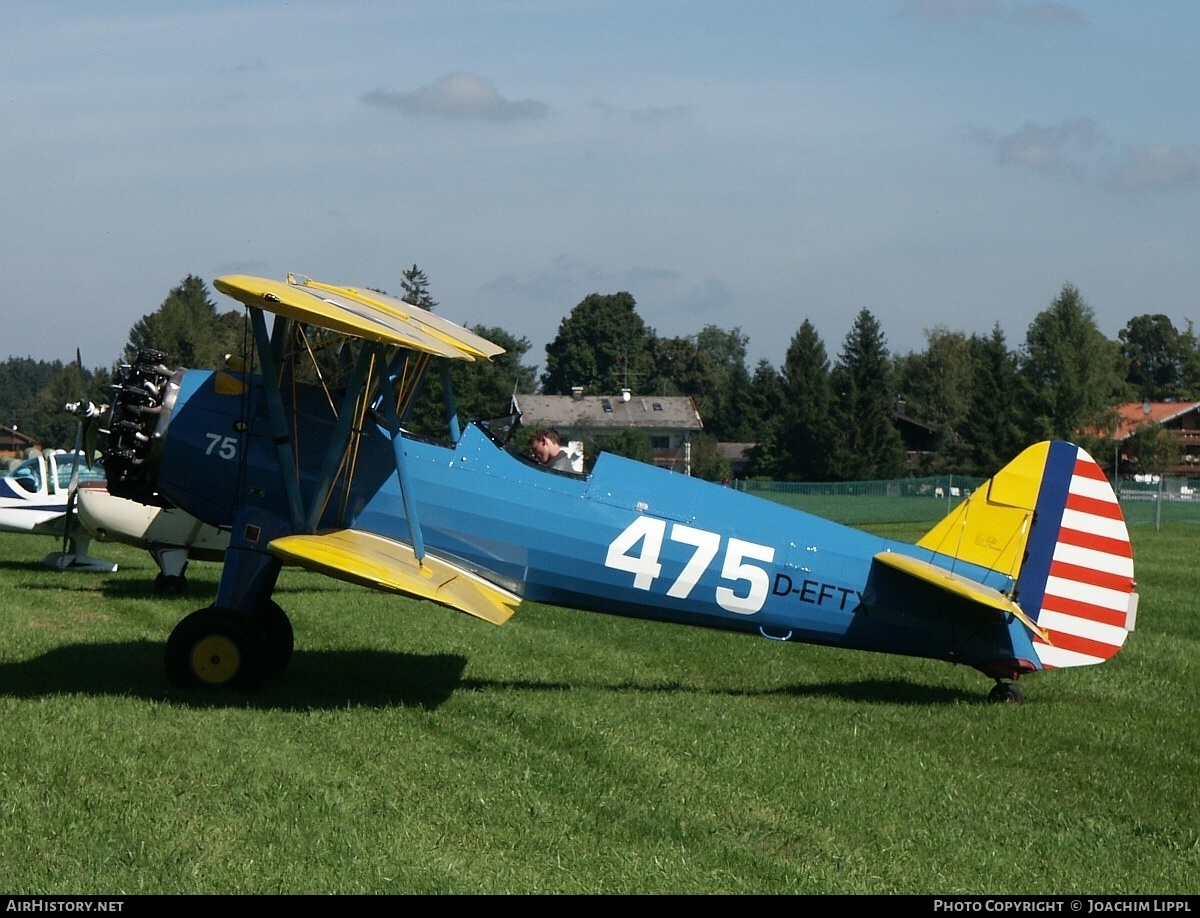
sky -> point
(747, 164)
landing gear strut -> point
(172, 566)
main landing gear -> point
(172, 570)
(218, 648)
(170, 585)
(1005, 693)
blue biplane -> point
(309, 463)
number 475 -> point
(646, 567)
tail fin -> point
(1051, 523)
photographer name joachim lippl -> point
(1154, 905)
(1093, 905)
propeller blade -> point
(73, 487)
(90, 435)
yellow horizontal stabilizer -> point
(384, 564)
(344, 315)
(960, 586)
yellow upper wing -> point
(413, 316)
(349, 312)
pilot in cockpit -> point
(546, 448)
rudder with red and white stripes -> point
(1077, 580)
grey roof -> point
(591, 412)
(734, 451)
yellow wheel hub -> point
(216, 659)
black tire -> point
(1006, 693)
(217, 649)
(168, 585)
(280, 638)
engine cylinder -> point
(142, 398)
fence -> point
(900, 500)
(927, 500)
(1147, 499)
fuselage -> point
(627, 539)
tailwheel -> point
(1005, 693)
(215, 648)
(280, 639)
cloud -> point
(541, 288)
(1063, 149)
(1038, 15)
(1149, 167)
(567, 276)
(457, 95)
(713, 297)
(1046, 15)
(640, 274)
(648, 115)
(952, 9)
(1045, 149)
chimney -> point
(577, 392)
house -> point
(919, 438)
(13, 443)
(737, 455)
(1182, 418)
(587, 420)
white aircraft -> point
(57, 493)
(171, 536)
(38, 497)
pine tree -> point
(1156, 356)
(416, 289)
(729, 415)
(995, 428)
(188, 329)
(767, 400)
(808, 441)
(871, 446)
(1074, 372)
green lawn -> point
(410, 749)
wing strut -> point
(340, 439)
(279, 427)
(410, 505)
(448, 400)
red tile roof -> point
(1135, 414)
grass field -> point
(410, 749)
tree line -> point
(818, 417)
(823, 417)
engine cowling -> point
(143, 397)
